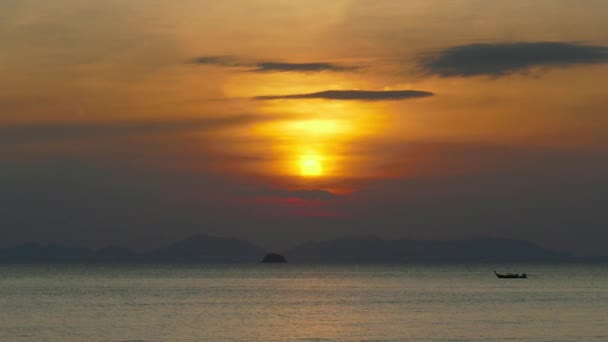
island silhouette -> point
(274, 258)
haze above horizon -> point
(282, 122)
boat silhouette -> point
(511, 275)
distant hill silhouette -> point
(37, 253)
(207, 249)
(361, 249)
(371, 249)
(114, 254)
(598, 259)
(195, 249)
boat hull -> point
(510, 276)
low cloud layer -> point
(225, 61)
(301, 67)
(270, 66)
(306, 194)
(32, 132)
(87, 199)
(503, 59)
(354, 95)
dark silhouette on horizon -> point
(511, 275)
(372, 249)
(204, 249)
(274, 258)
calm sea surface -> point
(302, 303)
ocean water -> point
(302, 303)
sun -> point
(310, 167)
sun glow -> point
(310, 166)
(309, 138)
(318, 127)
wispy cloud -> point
(502, 59)
(225, 61)
(301, 67)
(36, 132)
(354, 95)
(272, 66)
(305, 194)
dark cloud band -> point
(305, 194)
(225, 61)
(301, 67)
(268, 66)
(354, 95)
(37, 132)
(503, 59)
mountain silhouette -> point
(371, 249)
(37, 253)
(203, 248)
(207, 249)
(113, 254)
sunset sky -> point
(136, 122)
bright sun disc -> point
(310, 167)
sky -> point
(138, 122)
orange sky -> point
(174, 88)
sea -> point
(288, 302)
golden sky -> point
(279, 97)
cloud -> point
(225, 61)
(270, 66)
(305, 194)
(356, 95)
(314, 194)
(36, 132)
(301, 67)
(89, 199)
(502, 59)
